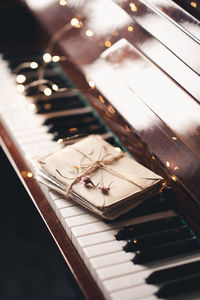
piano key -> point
(56, 105)
(66, 122)
(80, 220)
(139, 292)
(103, 227)
(166, 250)
(149, 227)
(97, 238)
(159, 238)
(96, 128)
(101, 249)
(60, 204)
(179, 287)
(173, 273)
(107, 260)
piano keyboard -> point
(149, 254)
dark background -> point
(31, 266)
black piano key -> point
(58, 104)
(180, 287)
(93, 129)
(68, 118)
(72, 123)
(149, 227)
(159, 238)
(174, 273)
(14, 62)
(165, 251)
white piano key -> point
(118, 270)
(79, 220)
(139, 292)
(102, 249)
(108, 260)
(88, 229)
(95, 239)
(126, 281)
(60, 204)
(71, 212)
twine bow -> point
(99, 163)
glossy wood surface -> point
(168, 125)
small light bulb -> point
(20, 78)
(56, 58)
(55, 87)
(76, 23)
(20, 88)
(107, 43)
(32, 106)
(47, 91)
(89, 33)
(118, 149)
(59, 141)
(193, 4)
(130, 28)
(63, 2)
(29, 174)
(47, 57)
(167, 163)
(91, 84)
(173, 177)
(133, 6)
(33, 65)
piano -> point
(128, 70)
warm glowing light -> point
(167, 163)
(63, 2)
(31, 106)
(193, 4)
(89, 33)
(55, 87)
(135, 241)
(174, 138)
(133, 6)
(29, 174)
(176, 168)
(111, 109)
(76, 23)
(153, 157)
(56, 58)
(47, 91)
(33, 65)
(118, 149)
(20, 88)
(174, 178)
(101, 99)
(47, 57)
(91, 84)
(107, 43)
(59, 141)
(47, 106)
(127, 128)
(130, 28)
(73, 129)
(20, 78)
(23, 173)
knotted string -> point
(99, 163)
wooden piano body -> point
(137, 63)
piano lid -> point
(144, 60)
